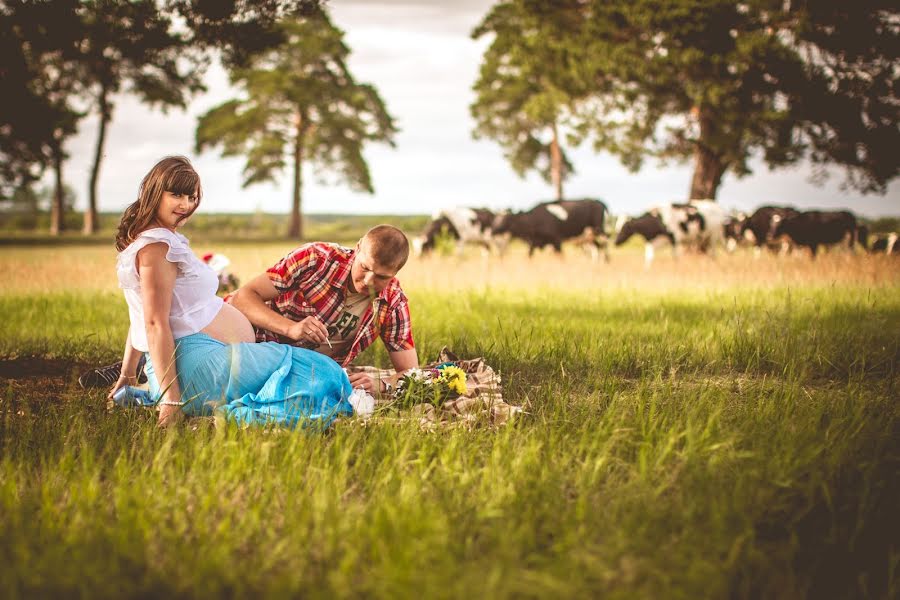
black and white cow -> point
(733, 232)
(814, 228)
(649, 226)
(760, 226)
(552, 223)
(465, 225)
(699, 224)
(885, 243)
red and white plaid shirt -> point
(312, 280)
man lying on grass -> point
(326, 298)
(336, 301)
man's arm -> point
(251, 300)
(403, 360)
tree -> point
(131, 43)
(52, 52)
(40, 42)
(238, 30)
(847, 105)
(719, 82)
(300, 104)
(531, 83)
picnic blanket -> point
(481, 404)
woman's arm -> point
(157, 282)
(129, 365)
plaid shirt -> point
(312, 281)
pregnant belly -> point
(230, 326)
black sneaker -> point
(108, 375)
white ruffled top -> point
(194, 300)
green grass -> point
(738, 442)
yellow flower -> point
(455, 378)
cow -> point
(465, 225)
(814, 228)
(761, 227)
(649, 226)
(552, 223)
(699, 224)
(733, 232)
(885, 243)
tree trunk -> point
(58, 209)
(708, 166)
(296, 228)
(90, 214)
(556, 165)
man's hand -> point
(310, 329)
(363, 380)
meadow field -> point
(701, 429)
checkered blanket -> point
(482, 403)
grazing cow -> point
(761, 226)
(551, 223)
(651, 228)
(465, 225)
(733, 231)
(885, 243)
(699, 224)
(816, 228)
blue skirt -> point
(265, 383)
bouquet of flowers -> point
(430, 386)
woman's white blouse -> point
(194, 300)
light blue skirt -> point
(264, 383)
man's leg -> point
(108, 375)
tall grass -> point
(690, 433)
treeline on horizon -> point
(713, 83)
(342, 228)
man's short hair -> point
(387, 246)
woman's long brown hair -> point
(172, 174)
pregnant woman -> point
(201, 354)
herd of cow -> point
(700, 225)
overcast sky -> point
(421, 59)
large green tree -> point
(39, 43)
(237, 30)
(848, 102)
(718, 83)
(130, 46)
(531, 84)
(55, 53)
(300, 103)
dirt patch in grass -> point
(36, 380)
(36, 367)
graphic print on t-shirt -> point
(343, 331)
(346, 324)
